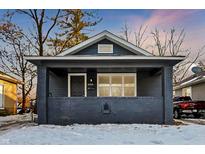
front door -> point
(1, 96)
(77, 86)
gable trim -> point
(180, 58)
(105, 35)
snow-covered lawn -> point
(105, 134)
(196, 121)
(14, 118)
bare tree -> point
(140, 37)
(175, 42)
(17, 43)
(181, 70)
(126, 32)
(201, 64)
(14, 46)
(161, 45)
(41, 32)
(171, 44)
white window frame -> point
(110, 83)
(85, 82)
(104, 45)
(2, 96)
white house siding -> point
(178, 92)
(198, 91)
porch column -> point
(167, 95)
(42, 93)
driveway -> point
(192, 121)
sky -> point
(193, 22)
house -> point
(8, 94)
(27, 102)
(104, 79)
(193, 86)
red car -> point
(186, 106)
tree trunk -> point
(40, 41)
(23, 92)
(23, 98)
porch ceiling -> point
(64, 71)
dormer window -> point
(105, 48)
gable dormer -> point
(105, 44)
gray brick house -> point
(104, 79)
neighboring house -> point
(193, 86)
(8, 94)
(27, 102)
(104, 79)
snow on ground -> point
(195, 121)
(192, 119)
(14, 118)
(106, 134)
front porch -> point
(151, 102)
(96, 110)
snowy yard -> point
(105, 134)
(14, 118)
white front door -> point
(1, 96)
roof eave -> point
(37, 60)
(189, 84)
(11, 80)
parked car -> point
(184, 105)
(20, 110)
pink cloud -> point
(160, 18)
(167, 18)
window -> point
(129, 85)
(105, 48)
(117, 85)
(186, 92)
(104, 83)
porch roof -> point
(6, 77)
(170, 59)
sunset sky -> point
(193, 21)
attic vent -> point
(105, 48)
